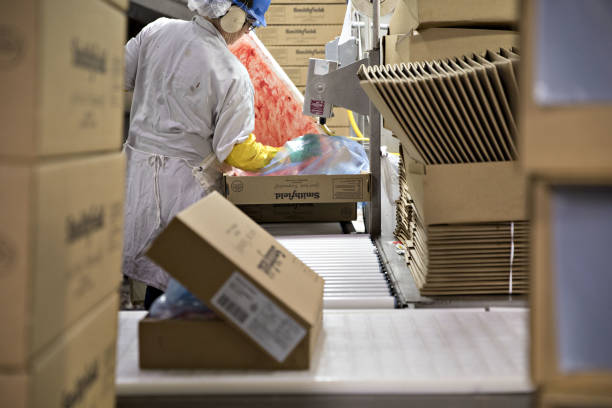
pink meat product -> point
(278, 104)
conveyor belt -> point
(430, 358)
(351, 268)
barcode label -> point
(258, 316)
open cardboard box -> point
(269, 304)
(313, 212)
(567, 388)
(318, 188)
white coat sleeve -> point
(236, 118)
(132, 49)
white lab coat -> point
(193, 101)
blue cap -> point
(256, 11)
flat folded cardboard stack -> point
(269, 303)
(451, 111)
(565, 148)
(464, 227)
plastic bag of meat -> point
(316, 154)
(179, 303)
(278, 103)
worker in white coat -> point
(192, 111)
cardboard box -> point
(339, 120)
(296, 55)
(61, 241)
(282, 14)
(122, 4)
(467, 193)
(440, 43)
(270, 302)
(412, 14)
(564, 399)
(584, 387)
(299, 75)
(78, 369)
(298, 34)
(347, 188)
(62, 78)
(559, 140)
(263, 213)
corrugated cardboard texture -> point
(298, 189)
(77, 370)
(218, 237)
(309, 13)
(298, 34)
(62, 71)
(296, 55)
(475, 192)
(413, 14)
(559, 141)
(61, 240)
(213, 344)
(440, 43)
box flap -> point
(212, 248)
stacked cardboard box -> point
(61, 223)
(565, 147)
(299, 31)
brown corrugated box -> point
(270, 302)
(309, 13)
(413, 14)
(299, 75)
(440, 43)
(298, 34)
(296, 55)
(468, 193)
(318, 188)
(122, 4)
(559, 140)
(61, 239)
(580, 388)
(78, 369)
(301, 212)
(62, 77)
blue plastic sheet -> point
(179, 303)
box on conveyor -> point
(319, 188)
(269, 304)
(566, 106)
(296, 55)
(571, 329)
(342, 212)
(77, 369)
(441, 43)
(62, 77)
(306, 13)
(419, 14)
(61, 240)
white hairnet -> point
(210, 8)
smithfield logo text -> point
(294, 195)
(88, 222)
(89, 57)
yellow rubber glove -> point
(251, 155)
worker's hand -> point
(251, 155)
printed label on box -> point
(347, 189)
(262, 320)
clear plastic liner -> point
(316, 154)
(179, 303)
